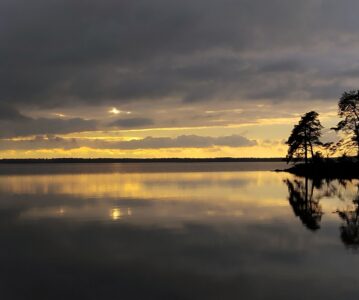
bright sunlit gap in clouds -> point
(115, 111)
(253, 137)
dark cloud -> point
(183, 141)
(283, 66)
(10, 113)
(62, 53)
(132, 122)
(39, 142)
(13, 124)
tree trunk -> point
(305, 146)
(356, 133)
(311, 149)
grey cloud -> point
(280, 66)
(186, 141)
(13, 124)
(132, 122)
(183, 141)
(10, 113)
(39, 142)
(63, 53)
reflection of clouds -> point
(146, 185)
(228, 234)
(169, 199)
(171, 212)
(160, 198)
(234, 213)
(136, 168)
(82, 213)
(255, 260)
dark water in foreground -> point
(175, 231)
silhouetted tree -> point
(304, 205)
(348, 110)
(305, 135)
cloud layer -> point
(183, 141)
(57, 53)
(14, 124)
(169, 63)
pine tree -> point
(348, 110)
(305, 135)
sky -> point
(169, 78)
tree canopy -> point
(305, 135)
(348, 110)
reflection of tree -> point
(349, 230)
(304, 205)
(304, 197)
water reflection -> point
(349, 230)
(166, 199)
(303, 202)
(176, 235)
(305, 196)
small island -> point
(341, 159)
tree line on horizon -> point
(304, 141)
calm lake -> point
(175, 231)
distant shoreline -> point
(136, 160)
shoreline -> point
(135, 160)
(330, 169)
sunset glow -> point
(150, 87)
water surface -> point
(175, 231)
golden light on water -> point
(165, 197)
(155, 196)
(115, 214)
(202, 186)
(118, 213)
